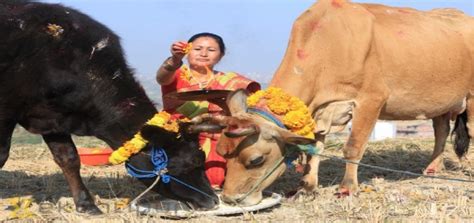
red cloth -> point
(215, 164)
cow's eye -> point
(256, 161)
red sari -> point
(184, 81)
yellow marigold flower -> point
(187, 48)
(164, 115)
(297, 105)
(172, 127)
(116, 158)
(138, 143)
(272, 92)
(253, 99)
(131, 148)
(157, 121)
(304, 131)
(139, 137)
(310, 135)
(123, 152)
(296, 116)
(185, 119)
(277, 106)
(295, 120)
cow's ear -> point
(292, 138)
(237, 102)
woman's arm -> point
(165, 74)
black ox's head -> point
(185, 163)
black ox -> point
(63, 73)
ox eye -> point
(256, 161)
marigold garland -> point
(295, 114)
(137, 143)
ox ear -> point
(237, 102)
(292, 138)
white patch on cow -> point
(297, 70)
(67, 12)
(99, 46)
(117, 74)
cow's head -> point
(185, 163)
(252, 146)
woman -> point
(204, 51)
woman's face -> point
(205, 52)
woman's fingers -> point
(177, 49)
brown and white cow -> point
(359, 62)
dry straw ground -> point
(31, 174)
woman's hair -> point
(217, 38)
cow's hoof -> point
(89, 209)
(347, 188)
(430, 172)
(343, 192)
(300, 195)
(434, 168)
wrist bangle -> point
(170, 66)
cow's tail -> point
(461, 135)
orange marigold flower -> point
(187, 48)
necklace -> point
(200, 81)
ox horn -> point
(205, 127)
(239, 132)
(209, 118)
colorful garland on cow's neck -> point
(292, 111)
(137, 143)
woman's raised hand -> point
(177, 50)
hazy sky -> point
(255, 31)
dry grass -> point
(31, 173)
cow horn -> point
(208, 118)
(238, 132)
(205, 127)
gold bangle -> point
(170, 66)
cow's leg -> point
(65, 155)
(441, 132)
(470, 115)
(6, 130)
(365, 116)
